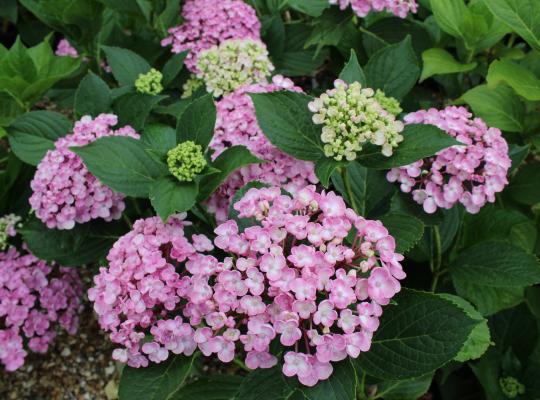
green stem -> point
(348, 188)
(241, 364)
(127, 221)
(436, 257)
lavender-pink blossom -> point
(470, 174)
(64, 48)
(237, 125)
(64, 191)
(400, 8)
(208, 23)
(35, 299)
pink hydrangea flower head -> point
(237, 125)
(65, 49)
(470, 174)
(36, 299)
(64, 191)
(400, 8)
(208, 23)
(162, 294)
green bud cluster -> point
(233, 63)
(186, 161)
(353, 116)
(8, 223)
(511, 387)
(150, 83)
(191, 86)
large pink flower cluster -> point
(292, 276)
(35, 298)
(237, 125)
(208, 23)
(400, 8)
(471, 174)
(64, 191)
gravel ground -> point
(76, 367)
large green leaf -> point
(497, 106)
(440, 62)
(227, 162)
(285, 119)
(34, 133)
(172, 68)
(418, 335)
(265, 384)
(493, 274)
(409, 389)
(521, 16)
(340, 386)
(157, 381)
(134, 108)
(480, 339)
(313, 8)
(524, 188)
(353, 72)
(369, 188)
(84, 244)
(122, 164)
(455, 18)
(393, 69)
(10, 108)
(125, 64)
(197, 123)
(496, 264)
(169, 196)
(406, 229)
(93, 96)
(519, 78)
(214, 387)
(420, 141)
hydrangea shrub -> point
(301, 199)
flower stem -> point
(436, 257)
(241, 364)
(348, 188)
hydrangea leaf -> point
(406, 229)
(520, 16)
(126, 65)
(213, 387)
(524, 82)
(93, 96)
(168, 196)
(84, 244)
(440, 62)
(498, 106)
(197, 122)
(480, 338)
(340, 386)
(418, 335)
(157, 381)
(353, 72)
(409, 389)
(122, 164)
(32, 134)
(227, 162)
(285, 119)
(369, 188)
(394, 69)
(420, 141)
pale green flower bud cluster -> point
(234, 63)
(353, 116)
(511, 387)
(186, 161)
(8, 223)
(150, 83)
(191, 86)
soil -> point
(76, 367)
